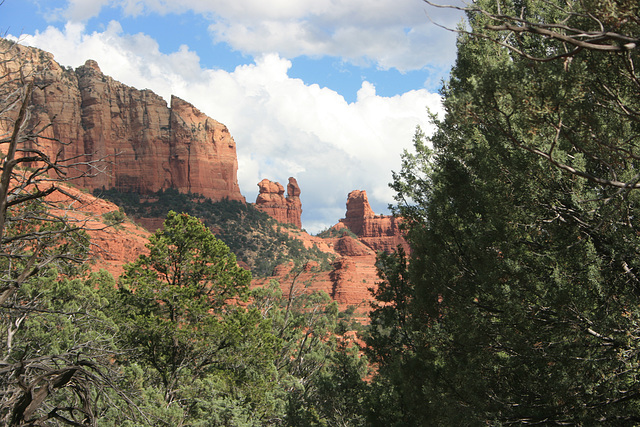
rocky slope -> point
(353, 269)
(122, 137)
(271, 200)
(112, 246)
(348, 281)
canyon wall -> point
(121, 137)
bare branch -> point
(9, 162)
(601, 40)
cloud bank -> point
(387, 34)
(282, 126)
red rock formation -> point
(111, 247)
(353, 271)
(348, 281)
(358, 210)
(148, 145)
(351, 278)
(379, 232)
(348, 246)
(271, 200)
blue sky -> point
(327, 91)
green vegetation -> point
(178, 313)
(332, 232)
(199, 348)
(114, 218)
(253, 236)
(519, 301)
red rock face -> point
(351, 278)
(111, 247)
(353, 272)
(350, 247)
(148, 145)
(271, 200)
(358, 209)
(379, 232)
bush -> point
(114, 217)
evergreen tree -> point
(197, 354)
(523, 284)
(320, 370)
(56, 344)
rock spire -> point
(271, 200)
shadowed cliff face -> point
(147, 145)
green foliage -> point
(256, 238)
(320, 373)
(62, 324)
(198, 348)
(519, 303)
(333, 232)
(114, 217)
(57, 342)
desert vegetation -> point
(253, 236)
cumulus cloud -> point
(384, 33)
(282, 126)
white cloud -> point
(282, 126)
(386, 33)
(80, 10)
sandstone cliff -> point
(272, 201)
(379, 232)
(147, 146)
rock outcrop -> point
(111, 246)
(353, 270)
(125, 138)
(358, 211)
(379, 232)
(348, 246)
(271, 200)
(347, 281)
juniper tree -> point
(522, 222)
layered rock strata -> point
(271, 200)
(378, 232)
(121, 137)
